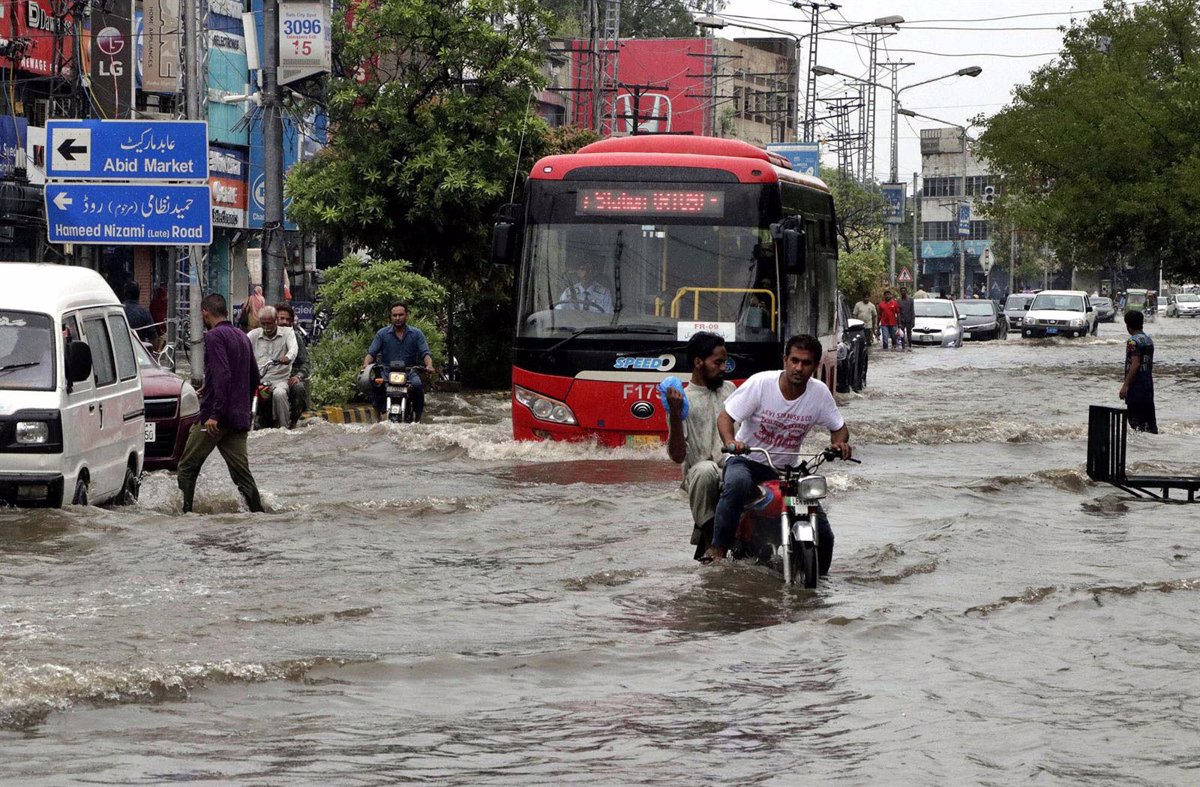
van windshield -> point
(26, 351)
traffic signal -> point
(989, 195)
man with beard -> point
(694, 442)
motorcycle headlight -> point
(32, 432)
(397, 378)
(189, 402)
(812, 487)
(543, 407)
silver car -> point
(1016, 306)
(1185, 304)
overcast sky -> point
(938, 37)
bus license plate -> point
(151, 432)
(642, 440)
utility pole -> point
(272, 105)
(894, 169)
(194, 50)
(810, 88)
(916, 240)
(962, 239)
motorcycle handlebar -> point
(826, 454)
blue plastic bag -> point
(667, 384)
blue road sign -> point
(894, 194)
(127, 149)
(805, 156)
(124, 214)
(964, 219)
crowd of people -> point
(892, 319)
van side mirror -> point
(789, 237)
(79, 362)
(505, 235)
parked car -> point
(1185, 304)
(937, 322)
(1059, 313)
(1015, 307)
(71, 413)
(172, 406)
(1105, 310)
(983, 320)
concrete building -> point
(945, 158)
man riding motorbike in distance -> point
(774, 411)
(400, 342)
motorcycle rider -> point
(274, 351)
(775, 411)
(695, 442)
(301, 369)
(403, 343)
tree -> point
(1098, 154)
(639, 18)
(425, 141)
(861, 272)
(860, 210)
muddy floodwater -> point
(439, 604)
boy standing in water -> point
(1138, 388)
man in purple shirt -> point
(230, 378)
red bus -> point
(626, 248)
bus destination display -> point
(649, 202)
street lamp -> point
(712, 22)
(962, 185)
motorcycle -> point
(782, 523)
(394, 379)
(262, 398)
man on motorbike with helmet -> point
(405, 344)
(774, 411)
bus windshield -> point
(654, 271)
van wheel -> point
(81, 491)
(129, 489)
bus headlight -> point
(33, 432)
(543, 407)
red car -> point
(172, 406)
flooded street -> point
(440, 604)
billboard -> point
(13, 134)
(112, 59)
(257, 173)
(894, 194)
(227, 181)
(227, 75)
(50, 42)
(160, 50)
(964, 219)
(805, 156)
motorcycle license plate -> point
(151, 432)
(1051, 331)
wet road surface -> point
(441, 604)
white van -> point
(72, 422)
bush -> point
(358, 294)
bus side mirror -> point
(505, 234)
(79, 362)
(789, 236)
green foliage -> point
(639, 18)
(860, 210)
(861, 271)
(1099, 153)
(425, 144)
(359, 294)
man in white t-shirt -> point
(774, 411)
(695, 442)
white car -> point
(1059, 313)
(937, 322)
(1185, 304)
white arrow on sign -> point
(62, 201)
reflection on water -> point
(438, 603)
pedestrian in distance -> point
(402, 343)
(248, 320)
(692, 437)
(920, 293)
(865, 310)
(230, 379)
(889, 320)
(908, 318)
(137, 315)
(1137, 389)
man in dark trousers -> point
(1137, 388)
(230, 378)
(137, 315)
(908, 319)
